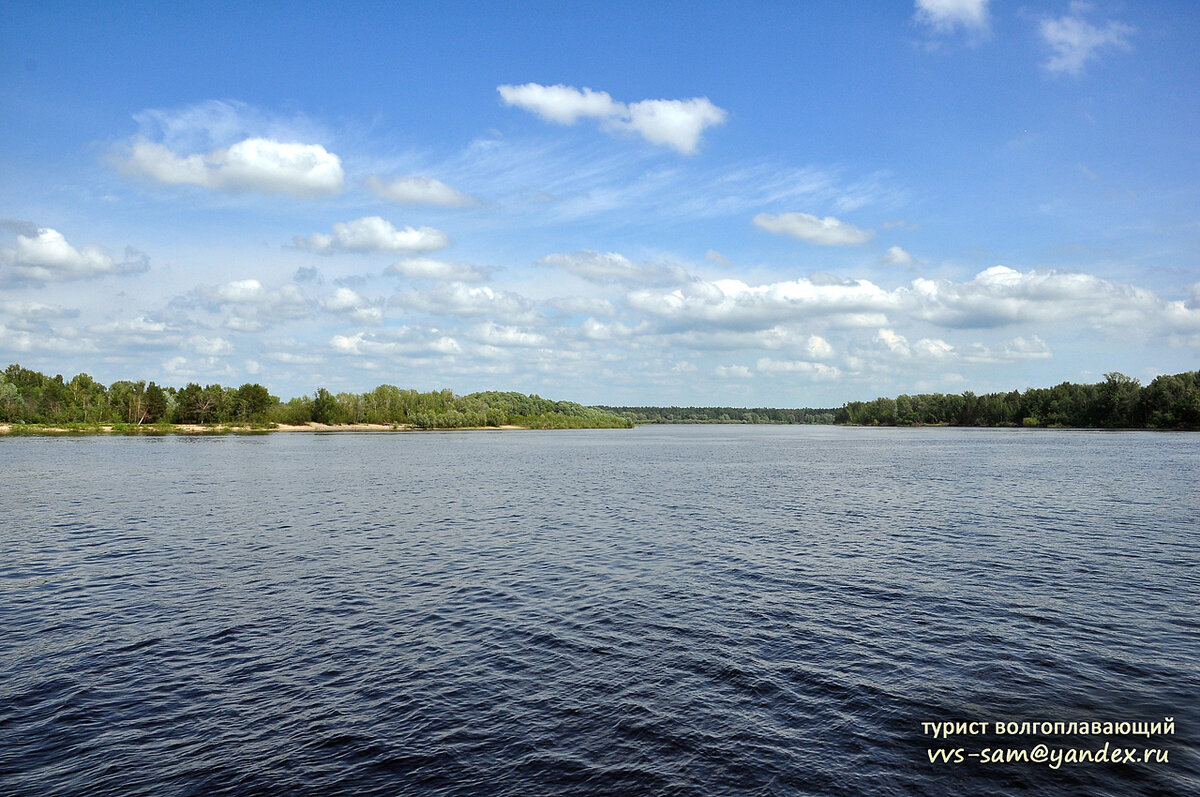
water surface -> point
(664, 610)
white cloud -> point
(1019, 348)
(817, 371)
(373, 234)
(209, 347)
(250, 305)
(999, 296)
(247, 291)
(29, 311)
(733, 372)
(561, 104)
(789, 338)
(592, 329)
(401, 342)
(923, 349)
(494, 334)
(826, 232)
(343, 299)
(65, 342)
(47, 257)
(457, 300)
(428, 268)
(252, 164)
(678, 124)
(931, 350)
(818, 348)
(136, 332)
(673, 123)
(734, 303)
(415, 190)
(995, 297)
(896, 343)
(609, 267)
(895, 256)
(202, 369)
(348, 302)
(1074, 41)
(945, 15)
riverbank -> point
(220, 429)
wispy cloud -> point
(612, 267)
(946, 15)
(826, 232)
(415, 190)
(1074, 41)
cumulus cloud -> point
(931, 350)
(21, 340)
(895, 256)
(209, 347)
(430, 269)
(610, 267)
(791, 338)
(564, 105)
(457, 300)
(736, 304)
(678, 124)
(1074, 41)
(204, 368)
(999, 296)
(31, 311)
(925, 348)
(372, 234)
(141, 332)
(1019, 348)
(248, 304)
(946, 15)
(815, 371)
(494, 334)
(346, 301)
(252, 164)
(46, 256)
(415, 190)
(826, 232)
(733, 372)
(592, 329)
(996, 297)
(401, 342)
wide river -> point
(663, 610)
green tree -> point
(324, 407)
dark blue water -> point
(679, 610)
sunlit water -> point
(671, 610)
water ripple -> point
(666, 611)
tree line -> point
(643, 415)
(30, 397)
(1119, 402)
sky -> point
(670, 203)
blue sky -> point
(784, 204)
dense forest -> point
(641, 415)
(30, 397)
(1119, 402)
